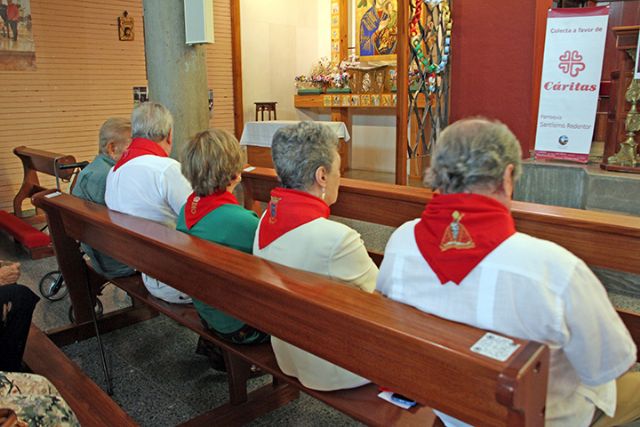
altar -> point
(257, 137)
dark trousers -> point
(14, 28)
(14, 327)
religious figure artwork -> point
(125, 27)
(377, 29)
(456, 235)
(17, 48)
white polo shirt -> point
(332, 249)
(531, 289)
(150, 187)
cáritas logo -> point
(571, 63)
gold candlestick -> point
(627, 156)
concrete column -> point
(177, 72)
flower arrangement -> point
(324, 75)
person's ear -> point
(508, 181)
(111, 149)
(321, 176)
(170, 137)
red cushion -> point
(23, 232)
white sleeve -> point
(177, 188)
(351, 263)
(597, 343)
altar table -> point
(257, 137)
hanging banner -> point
(571, 73)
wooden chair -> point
(262, 107)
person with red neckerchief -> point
(296, 231)
(212, 162)
(147, 183)
(463, 260)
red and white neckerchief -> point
(457, 231)
(140, 147)
(197, 207)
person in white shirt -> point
(295, 231)
(147, 183)
(464, 261)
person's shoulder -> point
(540, 249)
(331, 227)
(150, 163)
(402, 233)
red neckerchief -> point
(140, 147)
(198, 207)
(289, 209)
(457, 231)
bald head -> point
(471, 155)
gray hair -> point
(152, 121)
(115, 130)
(472, 155)
(299, 150)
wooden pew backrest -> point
(34, 161)
(601, 239)
(418, 355)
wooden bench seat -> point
(362, 403)
(418, 355)
(34, 241)
(91, 404)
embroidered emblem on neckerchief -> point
(194, 204)
(456, 235)
(273, 209)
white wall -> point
(280, 39)
(284, 38)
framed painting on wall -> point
(376, 29)
(17, 49)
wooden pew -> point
(92, 406)
(413, 353)
(34, 161)
(601, 239)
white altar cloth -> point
(261, 133)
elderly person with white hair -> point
(147, 183)
(114, 138)
(296, 231)
(464, 261)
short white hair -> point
(151, 120)
(114, 129)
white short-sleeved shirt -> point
(531, 289)
(332, 249)
(150, 187)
